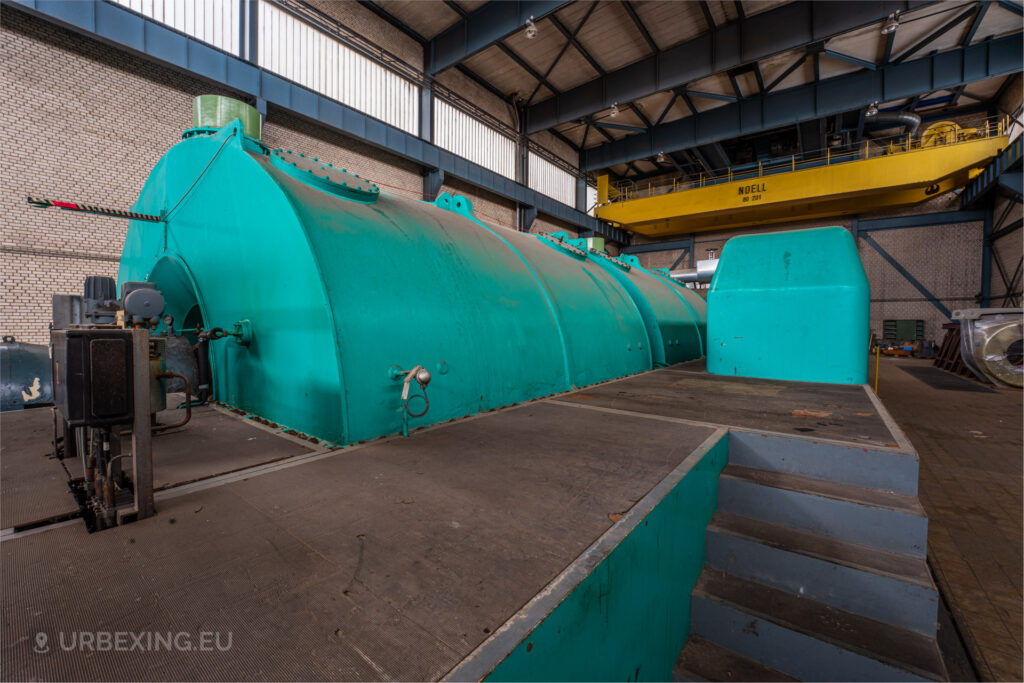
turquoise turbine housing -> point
(331, 284)
(790, 305)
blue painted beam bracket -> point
(126, 30)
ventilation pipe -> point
(906, 118)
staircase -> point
(814, 569)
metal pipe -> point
(909, 119)
(204, 390)
(704, 271)
(188, 401)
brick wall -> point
(94, 142)
(98, 141)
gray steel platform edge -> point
(492, 651)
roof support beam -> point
(890, 40)
(640, 115)
(638, 22)
(711, 95)
(668, 108)
(1012, 6)
(526, 67)
(738, 43)
(1000, 56)
(976, 22)
(482, 28)
(785, 74)
(570, 40)
(419, 38)
(938, 33)
(863, 63)
(619, 126)
(708, 17)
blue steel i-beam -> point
(996, 57)
(920, 220)
(670, 245)
(905, 273)
(134, 33)
(482, 28)
(432, 183)
(735, 44)
(986, 260)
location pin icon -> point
(41, 640)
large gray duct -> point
(909, 119)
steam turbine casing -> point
(337, 285)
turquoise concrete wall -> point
(629, 618)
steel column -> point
(581, 194)
(432, 183)
(527, 215)
(248, 30)
(142, 446)
(986, 260)
(427, 112)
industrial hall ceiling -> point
(616, 81)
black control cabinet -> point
(92, 372)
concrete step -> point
(702, 660)
(895, 589)
(873, 468)
(889, 521)
(805, 638)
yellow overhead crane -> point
(903, 173)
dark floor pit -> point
(937, 378)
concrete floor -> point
(392, 560)
(972, 487)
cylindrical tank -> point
(330, 285)
(25, 375)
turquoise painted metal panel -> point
(673, 330)
(629, 618)
(694, 302)
(339, 283)
(792, 306)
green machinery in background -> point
(343, 303)
(790, 305)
